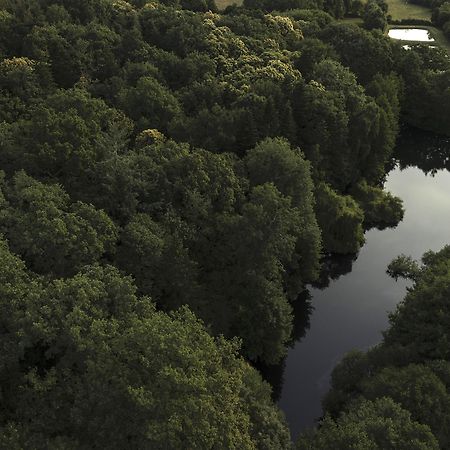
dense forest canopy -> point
(171, 177)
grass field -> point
(353, 20)
(398, 9)
(222, 4)
(401, 9)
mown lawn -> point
(222, 4)
(398, 9)
(353, 20)
(401, 9)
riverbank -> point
(352, 312)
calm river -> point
(353, 310)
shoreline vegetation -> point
(407, 369)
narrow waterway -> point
(353, 310)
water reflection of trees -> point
(333, 267)
(274, 375)
(427, 151)
(302, 309)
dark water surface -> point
(353, 310)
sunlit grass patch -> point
(401, 9)
(222, 4)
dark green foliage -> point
(52, 234)
(90, 364)
(403, 266)
(366, 53)
(61, 48)
(212, 157)
(446, 29)
(412, 364)
(374, 17)
(312, 19)
(63, 138)
(381, 209)
(20, 79)
(149, 104)
(382, 425)
(312, 50)
(345, 382)
(424, 89)
(159, 262)
(441, 16)
(274, 161)
(417, 389)
(263, 416)
(340, 219)
(208, 236)
(427, 338)
(344, 132)
(252, 278)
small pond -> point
(410, 34)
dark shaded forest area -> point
(171, 178)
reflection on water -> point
(427, 151)
(333, 267)
(352, 311)
(302, 309)
(410, 34)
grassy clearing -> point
(401, 9)
(222, 4)
(398, 9)
(353, 20)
